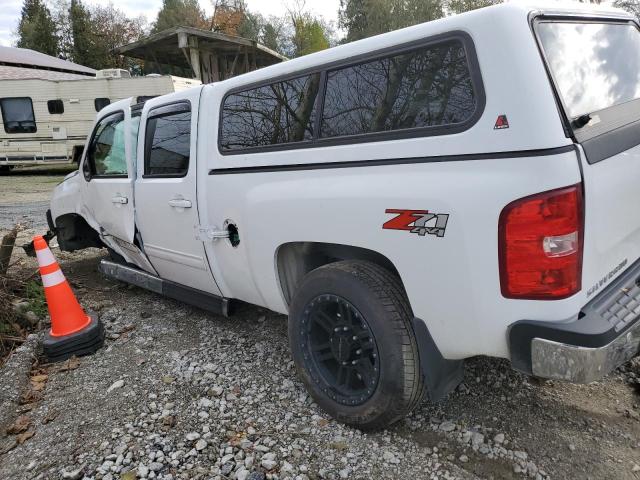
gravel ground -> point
(179, 393)
(24, 195)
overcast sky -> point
(10, 11)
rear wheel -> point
(353, 344)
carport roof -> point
(165, 48)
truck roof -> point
(503, 15)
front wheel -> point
(353, 344)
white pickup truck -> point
(464, 187)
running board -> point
(167, 288)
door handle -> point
(119, 200)
(179, 203)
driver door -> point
(107, 191)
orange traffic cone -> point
(73, 332)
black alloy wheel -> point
(340, 349)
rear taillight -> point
(540, 245)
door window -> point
(106, 156)
(17, 115)
(168, 141)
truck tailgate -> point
(612, 218)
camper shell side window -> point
(17, 115)
(423, 88)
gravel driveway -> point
(179, 393)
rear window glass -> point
(595, 65)
(427, 87)
(17, 115)
(168, 144)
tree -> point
(309, 35)
(36, 29)
(229, 15)
(179, 13)
(631, 6)
(111, 29)
(460, 6)
(90, 34)
(273, 33)
(81, 49)
(364, 18)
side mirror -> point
(86, 170)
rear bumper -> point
(605, 335)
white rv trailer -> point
(48, 120)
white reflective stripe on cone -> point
(52, 279)
(45, 257)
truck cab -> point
(457, 188)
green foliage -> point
(364, 18)
(89, 34)
(309, 35)
(34, 294)
(460, 6)
(631, 6)
(175, 13)
(36, 29)
(81, 35)
(272, 35)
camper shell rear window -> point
(594, 66)
(17, 115)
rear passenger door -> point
(166, 207)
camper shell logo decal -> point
(421, 222)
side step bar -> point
(140, 278)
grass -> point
(34, 295)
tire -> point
(378, 350)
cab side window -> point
(106, 155)
(168, 141)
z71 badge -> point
(417, 221)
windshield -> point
(595, 65)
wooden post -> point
(6, 249)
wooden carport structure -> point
(211, 56)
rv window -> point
(282, 112)
(55, 107)
(106, 154)
(100, 103)
(168, 143)
(17, 115)
(426, 87)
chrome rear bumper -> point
(604, 335)
(582, 364)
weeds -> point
(34, 294)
